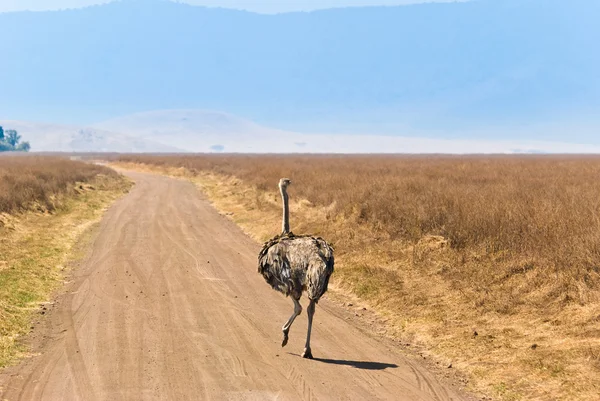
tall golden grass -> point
(543, 208)
(508, 246)
(26, 181)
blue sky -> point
(263, 6)
(485, 69)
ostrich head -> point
(284, 183)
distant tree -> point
(23, 147)
(9, 141)
(12, 137)
(4, 146)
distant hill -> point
(45, 137)
(168, 131)
(195, 130)
(214, 132)
(442, 68)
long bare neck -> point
(285, 225)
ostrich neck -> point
(285, 225)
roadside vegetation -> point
(490, 264)
(42, 183)
(47, 205)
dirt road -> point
(168, 306)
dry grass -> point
(446, 247)
(52, 203)
(40, 182)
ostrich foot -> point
(285, 340)
(307, 353)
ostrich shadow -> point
(364, 365)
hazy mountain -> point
(442, 68)
(195, 130)
(45, 137)
(214, 132)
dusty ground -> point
(168, 306)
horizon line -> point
(240, 9)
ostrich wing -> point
(291, 264)
(274, 265)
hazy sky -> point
(265, 6)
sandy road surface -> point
(168, 306)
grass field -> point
(490, 263)
(46, 205)
(40, 183)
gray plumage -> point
(294, 264)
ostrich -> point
(292, 264)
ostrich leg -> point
(288, 324)
(311, 312)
